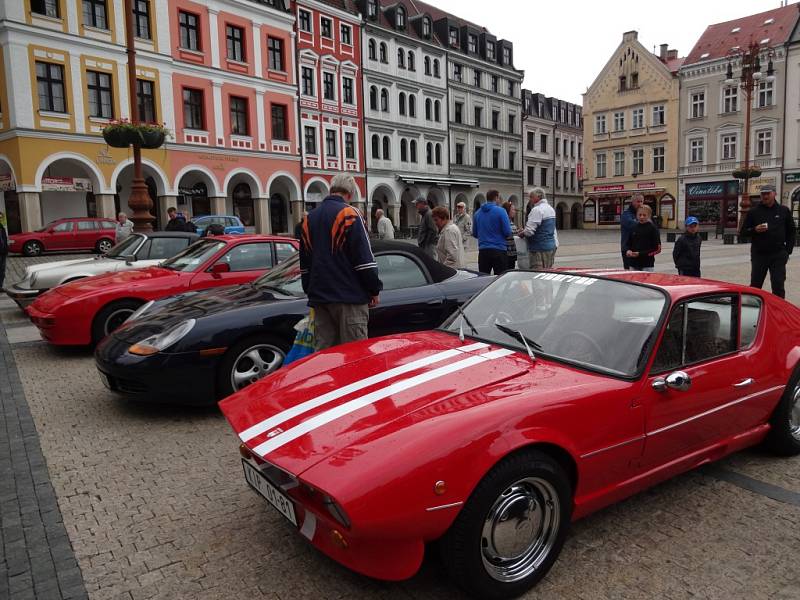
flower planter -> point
(118, 138)
(152, 139)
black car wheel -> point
(103, 246)
(32, 248)
(248, 361)
(111, 317)
(784, 434)
(511, 529)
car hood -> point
(124, 279)
(338, 400)
(58, 265)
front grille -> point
(128, 386)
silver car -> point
(136, 251)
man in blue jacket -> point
(490, 225)
(627, 223)
(338, 271)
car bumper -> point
(24, 297)
(182, 378)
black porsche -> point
(200, 347)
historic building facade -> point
(537, 143)
(791, 152)
(630, 132)
(713, 115)
(220, 74)
(567, 195)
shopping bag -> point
(303, 341)
(522, 253)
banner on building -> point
(608, 188)
(66, 184)
(7, 183)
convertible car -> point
(85, 311)
(137, 251)
(209, 344)
(547, 397)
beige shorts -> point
(336, 324)
(542, 260)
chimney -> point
(630, 36)
(672, 55)
(663, 54)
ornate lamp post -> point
(751, 59)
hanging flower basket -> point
(118, 138)
(123, 133)
(749, 173)
(152, 138)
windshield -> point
(284, 278)
(126, 247)
(194, 256)
(601, 324)
(46, 227)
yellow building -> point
(631, 134)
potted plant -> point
(122, 133)
(750, 172)
(153, 135)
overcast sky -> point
(563, 44)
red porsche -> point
(549, 396)
(85, 311)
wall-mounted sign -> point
(646, 185)
(7, 183)
(754, 185)
(589, 214)
(713, 189)
(791, 177)
(608, 188)
(66, 184)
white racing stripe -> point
(353, 405)
(295, 411)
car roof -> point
(168, 234)
(438, 271)
(82, 219)
(210, 216)
(251, 237)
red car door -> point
(86, 234)
(702, 379)
(241, 263)
(61, 236)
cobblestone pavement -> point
(155, 506)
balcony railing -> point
(729, 166)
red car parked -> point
(85, 311)
(83, 233)
(549, 396)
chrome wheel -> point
(794, 414)
(104, 246)
(116, 318)
(254, 363)
(520, 529)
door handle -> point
(744, 383)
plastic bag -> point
(303, 341)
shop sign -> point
(646, 185)
(755, 184)
(715, 189)
(579, 171)
(791, 177)
(198, 189)
(608, 188)
(7, 183)
(66, 184)
(589, 214)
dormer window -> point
(506, 55)
(453, 36)
(490, 50)
(426, 28)
(473, 43)
(400, 18)
(372, 9)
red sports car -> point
(85, 311)
(549, 396)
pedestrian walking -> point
(124, 227)
(449, 248)
(627, 223)
(464, 222)
(338, 270)
(3, 249)
(686, 252)
(491, 226)
(511, 247)
(427, 235)
(540, 231)
(644, 242)
(385, 227)
(772, 232)
(176, 221)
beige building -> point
(630, 134)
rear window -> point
(108, 225)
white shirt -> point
(385, 228)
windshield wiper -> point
(464, 319)
(529, 343)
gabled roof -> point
(773, 27)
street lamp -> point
(751, 76)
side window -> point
(231, 222)
(161, 248)
(283, 251)
(397, 271)
(63, 227)
(218, 221)
(249, 257)
(107, 225)
(751, 313)
(86, 226)
(670, 352)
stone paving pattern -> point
(155, 505)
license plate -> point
(104, 379)
(275, 497)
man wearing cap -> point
(772, 232)
(464, 222)
(686, 252)
(427, 234)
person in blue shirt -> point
(628, 223)
(491, 226)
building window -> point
(146, 100)
(192, 108)
(429, 153)
(453, 36)
(239, 125)
(599, 123)
(472, 43)
(478, 156)
(411, 61)
(373, 98)
(426, 28)
(94, 14)
(511, 123)
(346, 35)
(403, 150)
(305, 21)
(459, 154)
(566, 142)
(376, 147)
(530, 176)
(310, 140)
(373, 50)
(372, 9)
(512, 159)
(728, 147)
(436, 68)
(141, 18)
(457, 72)
(638, 118)
(328, 87)
(478, 116)
(437, 111)
(542, 143)
(623, 83)
(275, 51)
(438, 154)
(350, 145)
(401, 104)
(495, 158)
(580, 150)
(495, 120)
(347, 90)
(698, 105)
(658, 115)
(330, 142)
(427, 62)
(386, 149)
(619, 121)
(50, 83)
(490, 50)
(531, 140)
(412, 145)
(506, 55)
(600, 165)
(543, 176)
(557, 146)
(326, 28)
(511, 88)
(428, 109)
(764, 94)
(189, 31)
(696, 150)
(412, 105)
(384, 100)
(47, 8)
(400, 18)
(658, 159)
(730, 99)
(638, 161)
(495, 83)
(307, 77)
(764, 142)
(572, 149)
(401, 58)
(383, 53)
(457, 112)
(619, 163)
(279, 130)
(101, 103)
(476, 78)
(235, 39)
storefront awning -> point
(442, 181)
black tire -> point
(271, 351)
(528, 484)
(784, 434)
(103, 245)
(112, 316)
(32, 248)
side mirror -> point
(220, 268)
(129, 259)
(677, 380)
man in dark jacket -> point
(176, 221)
(627, 223)
(427, 234)
(338, 270)
(686, 252)
(3, 249)
(772, 232)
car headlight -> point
(139, 311)
(161, 341)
